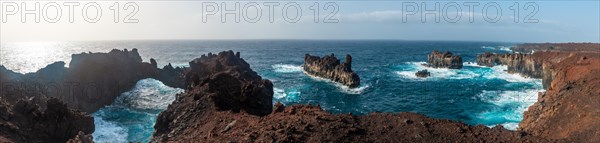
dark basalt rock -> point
(91, 81)
(28, 121)
(524, 64)
(444, 60)
(423, 73)
(216, 83)
(224, 103)
(329, 67)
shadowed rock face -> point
(329, 67)
(444, 60)
(91, 81)
(216, 83)
(524, 64)
(224, 104)
(28, 121)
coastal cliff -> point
(329, 67)
(228, 102)
(524, 64)
(569, 109)
(225, 100)
(444, 60)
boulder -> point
(423, 73)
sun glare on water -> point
(26, 57)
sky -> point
(535, 21)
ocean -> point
(474, 94)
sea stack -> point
(444, 60)
(329, 67)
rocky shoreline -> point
(225, 100)
(329, 67)
(571, 81)
(217, 110)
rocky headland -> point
(444, 60)
(46, 106)
(225, 100)
(329, 67)
(228, 102)
(569, 109)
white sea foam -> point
(505, 48)
(488, 47)
(500, 48)
(436, 73)
(511, 105)
(286, 68)
(356, 90)
(511, 126)
(500, 73)
(472, 64)
(108, 131)
(148, 94)
(283, 95)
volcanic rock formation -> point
(329, 67)
(444, 60)
(568, 110)
(228, 102)
(91, 81)
(27, 121)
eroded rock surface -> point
(224, 104)
(27, 120)
(570, 108)
(329, 67)
(444, 60)
(91, 81)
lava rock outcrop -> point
(570, 107)
(444, 60)
(329, 67)
(42, 120)
(92, 80)
(224, 103)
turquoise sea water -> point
(474, 94)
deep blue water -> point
(474, 94)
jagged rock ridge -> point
(329, 67)
(199, 115)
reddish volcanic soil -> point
(570, 108)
